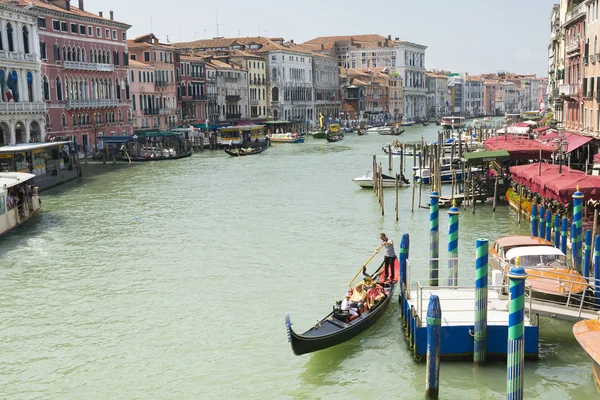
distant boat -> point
(453, 122)
(285, 138)
(406, 122)
(240, 152)
(366, 181)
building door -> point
(85, 143)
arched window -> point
(275, 94)
(26, 39)
(64, 51)
(118, 89)
(63, 120)
(46, 89)
(595, 44)
(274, 73)
(9, 35)
(132, 76)
(133, 103)
(30, 86)
(140, 76)
(127, 95)
(59, 93)
(183, 91)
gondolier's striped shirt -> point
(388, 249)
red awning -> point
(541, 129)
(519, 148)
(552, 185)
(574, 140)
(597, 158)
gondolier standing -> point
(389, 256)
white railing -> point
(573, 46)
(22, 107)
(88, 66)
(17, 56)
(569, 90)
(164, 111)
(92, 103)
(575, 12)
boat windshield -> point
(537, 260)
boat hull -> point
(319, 135)
(237, 153)
(587, 333)
(148, 159)
(287, 140)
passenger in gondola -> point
(346, 306)
(374, 295)
(359, 296)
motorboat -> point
(425, 175)
(406, 122)
(286, 138)
(453, 122)
(366, 181)
(19, 200)
(587, 333)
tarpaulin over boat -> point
(545, 180)
(518, 148)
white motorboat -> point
(19, 201)
(374, 129)
(366, 181)
(453, 122)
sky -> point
(472, 36)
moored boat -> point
(406, 122)
(285, 138)
(366, 181)
(338, 326)
(546, 266)
(587, 333)
(425, 123)
(334, 138)
(453, 122)
(19, 200)
(241, 152)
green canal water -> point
(170, 281)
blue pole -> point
(597, 270)
(404, 246)
(434, 238)
(587, 254)
(578, 221)
(534, 220)
(516, 331)
(481, 301)
(549, 225)
(434, 338)
(563, 234)
(574, 257)
(542, 231)
(556, 231)
(453, 214)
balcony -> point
(164, 111)
(573, 48)
(254, 102)
(575, 12)
(17, 56)
(232, 97)
(150, 111)
(233, 116)
(83, 66)
(22, 107)
(227, 79)
(92, 103)
(160, 83)
(569, 90)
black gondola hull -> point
(237, 153)
(334, 331)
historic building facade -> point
(22, 109)
(191, 90)
(141, 78)
(84, 72)
(326, 82)
(257, 82)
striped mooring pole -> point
(542, 231)
(587, 255)
(516, 332)
(434, 238)
(404, 246)
(556, 231)
(597, 270)
(563, 234)
(534, 220)
(453, 214)
(549, 225)
(574, 257)
(578, 221)
(434, 339)
(481, 301)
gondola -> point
(393, 132)
(361, 132)
(425, 123)
(134, 158)
(331, 330)
(245, 152)
(334, 138)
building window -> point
(63, 26)
(124, 35)
(133, 57)
(81, 29)
(9, 34)
(73, 28)
(46, 89)
(114, 35)
(59, 95)
(107, 33)
(90, 31)
(56, 53)
(43, 50)
(26, 40)
(55, 25)
(42, 23)
(98, 32)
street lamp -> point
(560, 147)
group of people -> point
(18, 196)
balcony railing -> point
(22, 107)
(150, 111)
(573, 47)
(83, 66)
(575, 12)
(569, 90)
(233, 116)
(92, 103)
(17, 56)
(164, 111)
(232, 97)
(254, 102)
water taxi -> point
(19, 200)
(286, 138)
(587, 334)
(406, 122)
(366, 181)
(242, 135)
(546, 266)
(453, 122)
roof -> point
(514, 241)
(328, 42)
(540, 250)
(264, 44)
(21, 147)
(43, 4)
(10, 179)
(480, 157)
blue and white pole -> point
(481, 301)
(453, 214)
(434, 339)
(597, 270)
(542, 231)
(549, 225)
(574, 247)
(578, 221)
(563, 234)
(516, 333)
(556, 231)
(534, 220)
(434, 238)
(404, 246)
(587, 255)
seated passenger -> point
(374, 295)
(359, 296)
(347, 307)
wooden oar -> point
(363, 268)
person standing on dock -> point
(389, 256)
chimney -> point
(389, 37)
(81, 5)
(100, 14)
(112, 15)
(378, 44)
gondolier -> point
(389, 256)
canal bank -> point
(133, 283)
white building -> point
(232, 91)
(438, 99)
(326, 83)
(22, 109)
(473, 97)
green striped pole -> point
(549, 225)
(563, 235)
(542, 221)
(453, 214)
(434, 339)
(434, 238)
(556, 231)
(587, 255)
(534, 220)
(481, 300)
(578, 220)
(516, 333)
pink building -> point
(489, 97)
(84, 72)
(148, 50)
(574, 29)
(145, 113)
(191, 90)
